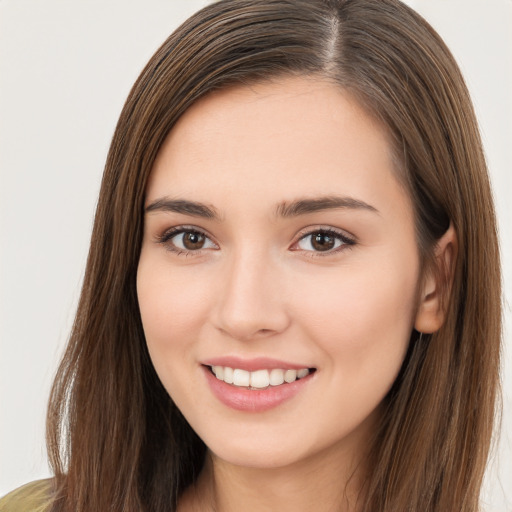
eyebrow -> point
(305, 206)
(285, 209)
(192, 208)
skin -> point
(258, 287)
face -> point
(278, 272)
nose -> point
(251, 303)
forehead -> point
(276, 140)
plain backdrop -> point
(66, 67)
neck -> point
(301, 486)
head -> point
(389, 64)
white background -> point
(66, 67)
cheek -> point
(173, 306)
(362, 326)
(362, 319)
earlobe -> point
(436, 287)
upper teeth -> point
(258, 379)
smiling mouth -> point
(259, 379)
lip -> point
(251, 365)
(254, 400)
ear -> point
(437, 284)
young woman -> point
(292, 296)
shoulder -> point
(32, 497)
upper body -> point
(292, 271)
(32, 497)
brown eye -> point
(187, 241)
(322, 241)
(193, 241)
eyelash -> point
(346, 241)
(165, 238)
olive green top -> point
(32, 497)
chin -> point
(257, 457)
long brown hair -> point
(115, 439)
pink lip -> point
(254, 400)
(251, 365)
